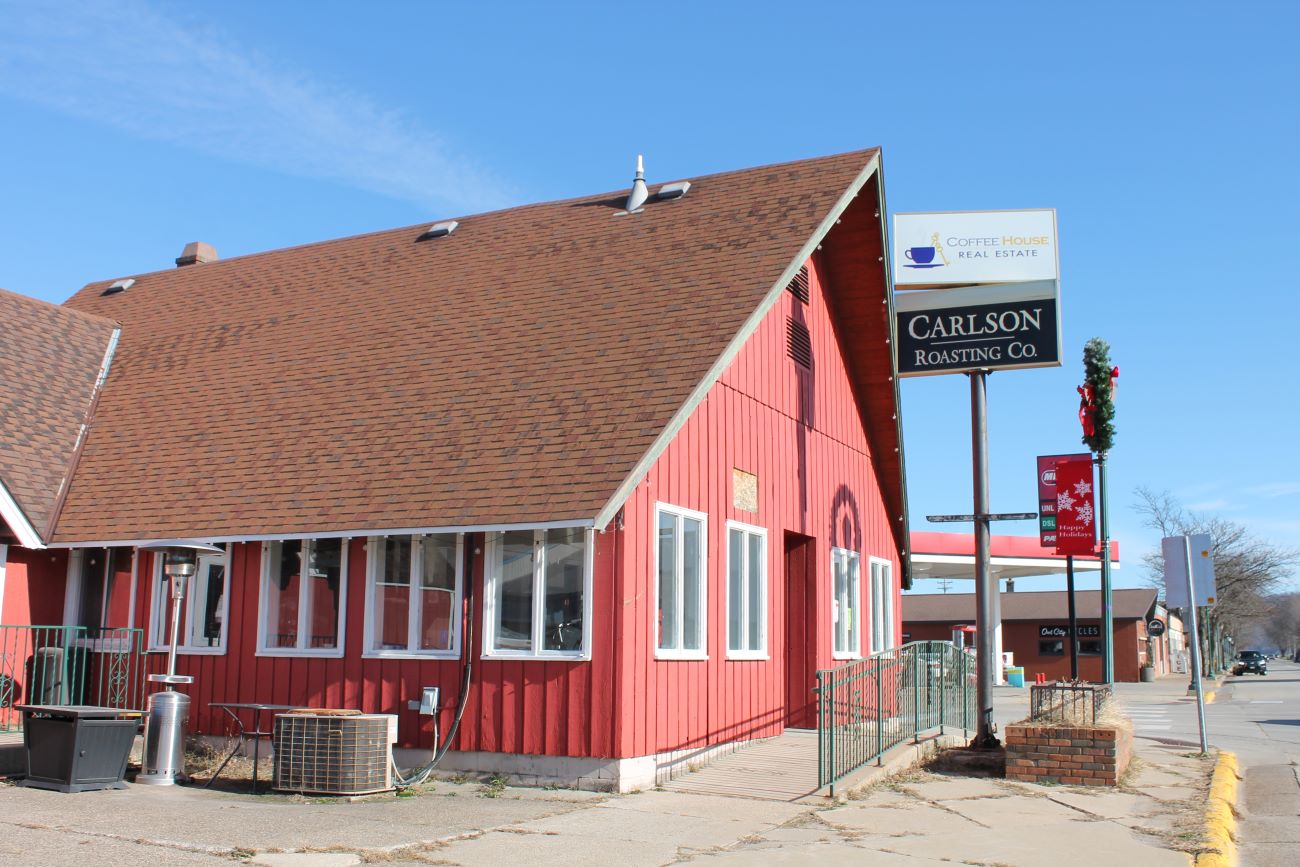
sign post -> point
(994, 307)
(1195, 578)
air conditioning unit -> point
(334, 752)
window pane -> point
(438, 593)
(854, 602)
(566, 560)
(692, 615)
(392, 593)
(841, 613)
(282, 594)
(735, 590)
(668, 614)
(324, 586)
(209, 593)
(514, 597)
(756, 591)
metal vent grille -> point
(798, 343)
(799, 285)
(332, 755)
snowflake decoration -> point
(1064, 502)
(1085, 514)
(1082, 489)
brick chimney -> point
(196, 253)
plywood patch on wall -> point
(744, 490)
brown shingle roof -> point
(50, 358)
(957, 608)
(513, 372)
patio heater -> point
(168, 714)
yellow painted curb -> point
(1209, 697)
(1220, 816)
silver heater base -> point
(144, 779)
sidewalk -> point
(918, 818)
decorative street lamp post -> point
(1097, 415)
(169, 711)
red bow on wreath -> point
(1087, 406)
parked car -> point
(1250, 662)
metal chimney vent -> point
(639, 194)
(439, 230)
(119, 286)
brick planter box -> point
(1070, 755)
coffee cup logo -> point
(923, 257)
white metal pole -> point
(1196, 643)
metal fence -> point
(68, 665)
(869, 705)
(1068, 703)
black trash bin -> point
(77, 748)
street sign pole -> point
(1196, 644)
(1107, 613)
(984, 625)
(1074, 620)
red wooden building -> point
(632, 477)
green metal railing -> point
(869, 705)
(66, 665)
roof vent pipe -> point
(197, 253)
(639, 192)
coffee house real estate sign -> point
(985, 293)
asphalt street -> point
(1256, 717)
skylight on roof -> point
(439, 230)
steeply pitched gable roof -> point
(513, 372)
(50, 361)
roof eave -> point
(13, 515)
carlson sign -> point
(962, 248)
(978, 328)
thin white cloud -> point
(1274, 489)
(126, 65)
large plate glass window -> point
(304, 587)
(746, 591)
(846, 602)
(680, 585)
(538, 589)
(203, 612)
(413, 595)
(882, 605)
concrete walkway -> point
(918, 818)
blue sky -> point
(1164, 134)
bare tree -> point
(1247, 570)
(1282, 626)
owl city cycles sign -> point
(978, 328)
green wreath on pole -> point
(1097, 396)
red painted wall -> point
(802, 435)
(1022, 639)
(34, 587)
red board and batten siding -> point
(804, 440)
(539, 708)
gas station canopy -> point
(952, 555)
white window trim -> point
(762, 652)
(369, 651)
(681, 512)
(885, 616)
(490, 579)
(182, 649)
(304, 587)
(857, 605)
